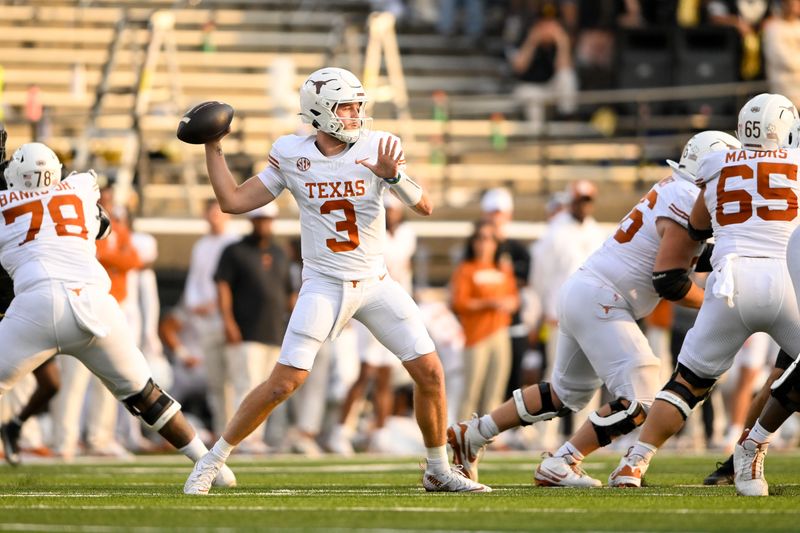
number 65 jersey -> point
(342, 218)
(627, 258)
(49, 234)
(752, 199)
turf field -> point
(370, 493)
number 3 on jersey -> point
(348, 225)
(66, 224)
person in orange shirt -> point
(484, 297)
(116, 253)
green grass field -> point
(369, 493)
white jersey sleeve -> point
(342, 218)
(627, 258)
(49, 235)
(753, 201)
(271, 176)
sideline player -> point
(599, 342)
(338, 177)
(62, 303)
(749, 202)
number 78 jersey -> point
(49, 234)
(342, 217)
(752, 199)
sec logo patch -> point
(303, 164)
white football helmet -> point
(33, 166)
(764, 122)
(322, 92)
(793, 141)
(698, 146)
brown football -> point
(205, 122)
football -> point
(205, 122)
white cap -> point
(497, 200)
(265, 211)
(582, 189)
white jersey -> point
(342, 218)
(626, 259)
(49, 235)
(752, 198)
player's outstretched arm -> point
(232, 197)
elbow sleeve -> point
(672, 284)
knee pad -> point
(155, 410)
(547, 412)
(620, 421)
(786, 384)
(679, 394)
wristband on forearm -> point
(409, 191)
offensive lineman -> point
(62, 303)
(599, 342)
(338, 177)
(749, 200)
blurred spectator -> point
(484, 297)
(118, 255)
(254, 294)
(190, 374)
(543, 65)
(377, 362)
(782, 51)
(572, 235)
(497, 208)
(746, 16)
(201, 307)
(472, 18)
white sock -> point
(194, 450)
(568, 449)
(437, 460)
(647, 451)
(759, 434)
(222, 449)
(487, 427)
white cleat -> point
(563, 471)
(454, 480)
(225, 478)
(203, 475)
(468, 445)
(630, 471)
(748, 466)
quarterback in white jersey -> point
(62, 304)
(338, 176)
(749, 201)
(599, 342)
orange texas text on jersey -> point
(336, 189)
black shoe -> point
(723, 475)
(9, 433)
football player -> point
(47, 377)
(783, 387)
(338, 176)
(62, 303)
(748, 201)
(599, 342)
